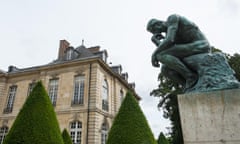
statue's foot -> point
(191, 81)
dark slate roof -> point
(83, 52)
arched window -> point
(104, 133)
(3, 133)
(105, 95)
(76, 132)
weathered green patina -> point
(183, 39)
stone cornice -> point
(85, 111)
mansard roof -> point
(80, 52)
(84, 52)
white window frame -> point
(11, 97)
(3, 133)
(53, 90)
(104, 133)
(78, 93)
(76, 132)
(105, 89)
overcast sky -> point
(30, 32)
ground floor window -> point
(3, 133)
(76, 132)
(104, 133)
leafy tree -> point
(168, 90)
(36, 122)
(66, 137)
(130, 125)
(162, 139)
(234, 62)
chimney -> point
(62, 47)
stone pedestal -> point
(210, 117)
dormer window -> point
(69, 54)
(102, 54)
(104, 57)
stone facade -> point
(90, 113)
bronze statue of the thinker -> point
(177, 40)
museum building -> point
(85, 90)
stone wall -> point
(90, 113)
(211, 117)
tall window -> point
(78, 95)
(30, 88)
(105, 95)
(76, 132)
(11, 97)
(53, 90)
(3, 133)
(104, 133)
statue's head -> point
(156, 26)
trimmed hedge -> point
(162, 139)
(36, 122)
(130, 125)
(66, 137)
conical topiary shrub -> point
(162, 139)
(66, 137)
(36, 122)
(130, 125)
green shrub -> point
(36, 122)
(66, 137)
(130, 125)
(162, 139)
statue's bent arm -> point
(172, 27)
